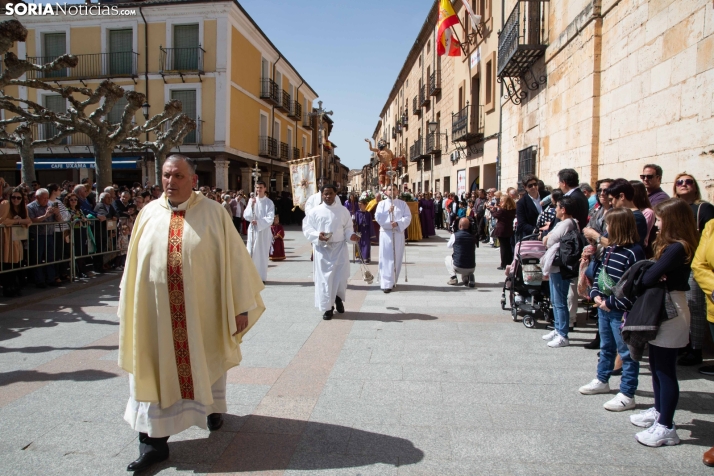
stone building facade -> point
(458, 95)
(629, 82)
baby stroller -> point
(527, 290)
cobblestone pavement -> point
(431, 379)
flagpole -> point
(457, 39)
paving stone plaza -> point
(431, 379)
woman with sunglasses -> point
(687, 188)
(13, 213)
(79, 230)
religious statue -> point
(386, 159)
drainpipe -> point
(297, 96)
(499, 159)
(272, 128)
(146, 79)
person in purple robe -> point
(363, 220)
(426, 216)
(352, 205)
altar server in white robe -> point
(329, 228)
(391, 237)
(188, 294)
(261, 218)
(315, 199)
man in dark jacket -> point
(528, 208)
(569, 183)
(463, 260)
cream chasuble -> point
(187, 275)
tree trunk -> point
(103, 167)
(27, 158)
(159, 159)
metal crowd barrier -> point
(57, 243)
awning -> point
(82, 163)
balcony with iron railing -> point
(99, 65)
(405, 120)
(307, 121)
(424, 99)
(285, 101)
(295, 153)
(268, 147)
(435, 83)
(181, 61)
(416, 151)
(468, 124)
(269, 91)
(416, 110)
(433, 143)
(523, 38)
(284, 151)
(295, 110)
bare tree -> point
(24, 140)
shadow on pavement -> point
(401, 287)
(383, 317)
(13, 326)
(47, 348)
(35, 376)
(266, 443)
(701, 433)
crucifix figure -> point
(386, 159)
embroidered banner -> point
(178, 305)
(303, 180)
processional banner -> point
(303, 181)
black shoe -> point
(692, 358)
(472, 280)
(593, 344)
(501, 268)
(147, 460)
(327, 315)
(386, 291)
(339, 306)
(617, 372)
(707, 370)
(214, 421)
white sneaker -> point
(550, 335)
(645, 418)
(620, 403)
(658, 435)
(559, 341)
(595, 387)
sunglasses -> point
(688, 182)
(531, 185)
(15, 197)
(648, 177)
(72, 199)
(601, 191)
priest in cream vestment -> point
(189, 293)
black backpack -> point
(571, 249)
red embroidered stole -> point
(178, 305)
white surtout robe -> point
(219, 282)
(264, 215)
(332, 259)
(403, 217)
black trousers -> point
(148, 444)
(506, 251)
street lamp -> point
(145, 107)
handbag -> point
(590, 270)
(20, 233)
(605, 283)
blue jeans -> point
(611, 344)
(559, 288)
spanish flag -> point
(446, 41)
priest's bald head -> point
(179, 178)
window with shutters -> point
(55, 103)
(186, 47)
(526, 162)
(121, 43)
(188, 101)
(55, 45)
(115, 115)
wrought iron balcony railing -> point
(424, 99)
(284, 151)
(296, 153)
(295, 110)
(405, 120)
(307, 121)
(435, 83)
(181, 60)
(467, 124)
(416, 110)
(268, 147)
(433, 143)
(416, 151)
(99, 65)
(269, 91)
(285, 101)
(523, 38)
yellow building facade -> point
(250, 104)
